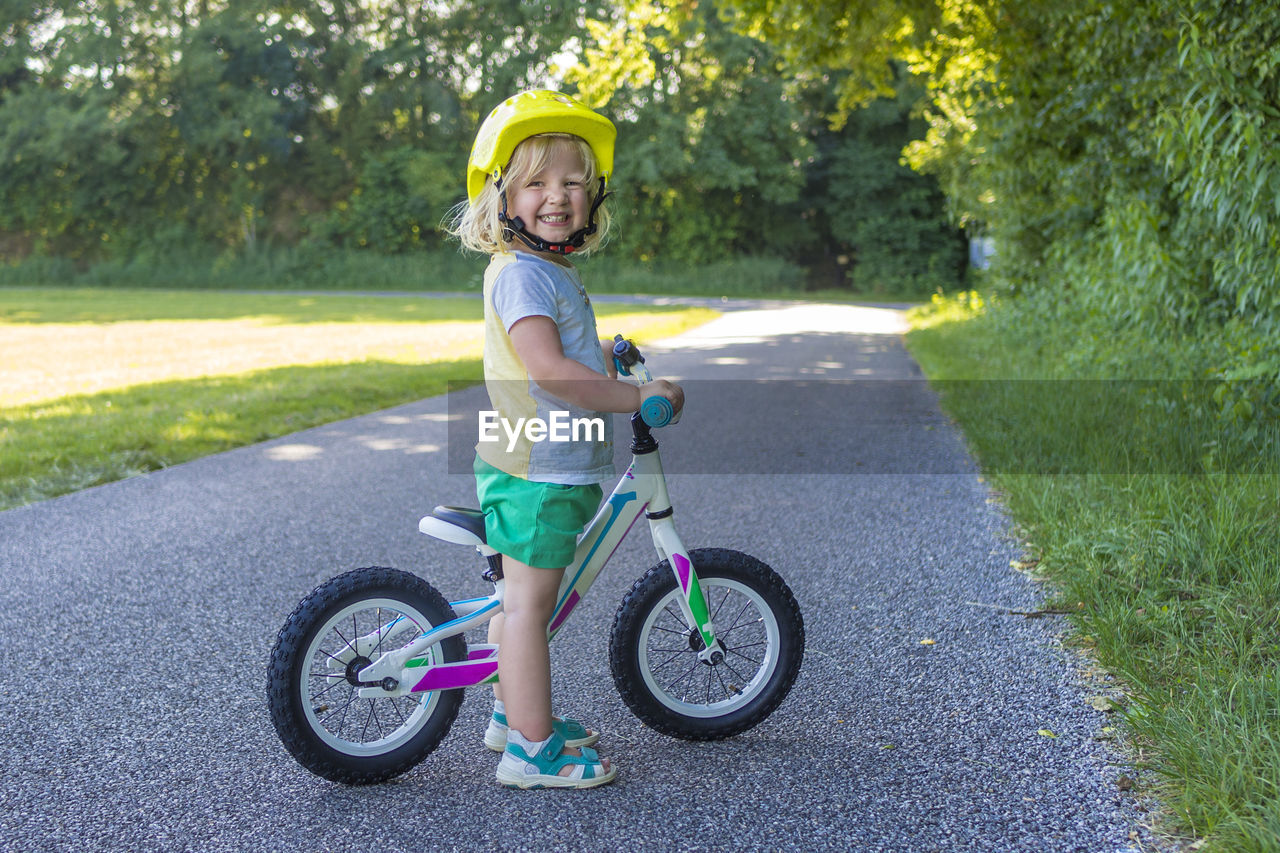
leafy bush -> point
(1134, 168)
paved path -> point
(136, 619)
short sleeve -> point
(523, 290)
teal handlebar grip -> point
(657, 411)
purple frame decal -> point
(564, 611)
(682, 570)
(459, 675)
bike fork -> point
(693, 603)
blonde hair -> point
(477, 225)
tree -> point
(141, 128)
(1125, 154)
(710, 137)
(883, 224)
(724, 155)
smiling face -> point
(553, 199)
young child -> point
(535, 184)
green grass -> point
(172, 406)
(75, 442)
(1154, 510)
(264, 269)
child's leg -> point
(524, 660)
(495, 736)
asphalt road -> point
(136, 620)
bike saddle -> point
(455, 524)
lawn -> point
(97, 385)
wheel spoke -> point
(737, 674)
(315, 696)
(735, 624)
(724, 688)
(759, 620)
(737, 649)
(333, 657)
(723, 598)
(678, 653)
(345, 641)
(675, 616)
(690, 672)
(339, 676)
(342, 723)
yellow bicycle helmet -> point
(528, 114)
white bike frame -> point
(642, 489)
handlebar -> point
(654, 411)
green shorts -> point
(535, 523)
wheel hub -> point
(357, 663)
(696, 645)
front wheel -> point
(313, 678)
(653, 653)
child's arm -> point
(537, 342)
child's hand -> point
(662, 388)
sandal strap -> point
(551, 758)
(551, 749)
(569, 729)
(566, 727)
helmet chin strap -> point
(515, 227)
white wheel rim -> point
(743, 623)
(334, 711)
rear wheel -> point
(313, 678)
(653, 653)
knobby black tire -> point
(289, 666)
(644, 633)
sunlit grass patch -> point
(48, 361)
(85, 402)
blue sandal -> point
(573, 732)
(526, 764)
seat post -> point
(493, 574)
